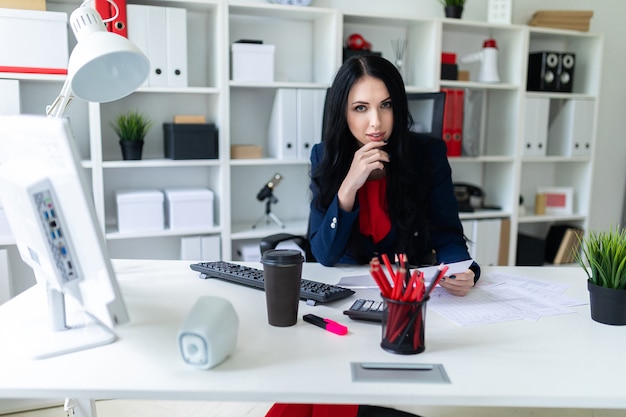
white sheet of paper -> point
(502, 297)
(366, 281)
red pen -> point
(329, 325)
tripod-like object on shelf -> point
(267, 194)
(269, 214)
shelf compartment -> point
(256, 105)
(576, 175)
(587, 47)
(494, 179)
(419, 67)
(161, 108)
(292, 193)
(154, 178)
(304, 38)
(465, 38)
(490, 123)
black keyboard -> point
(311, 291)
(368, 310)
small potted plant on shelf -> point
(453, 8)
(603, 257)
(131, 128)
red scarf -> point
(374, 219)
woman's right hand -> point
(367, 159)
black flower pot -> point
(608, 305)
(131, 149)
(454, 11)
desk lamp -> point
(103, 67)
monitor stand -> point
(41, 337)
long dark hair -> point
(407, 186)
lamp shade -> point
(103, 66)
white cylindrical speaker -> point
(209, 333)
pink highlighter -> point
(327, 324)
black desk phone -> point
(468, 197)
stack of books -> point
(562, 19)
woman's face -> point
(369, 112)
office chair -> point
(272, 241)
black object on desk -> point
(251, 277)
(367, 310)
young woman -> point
(376, 186)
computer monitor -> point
(427, 112)
(52, 218)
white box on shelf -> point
(38, 41)
(139, 210)
(189, 208)
(201, 248)
(252, 62)
(558, 200)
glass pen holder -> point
(403, 326)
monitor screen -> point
(52, 218)
(427, 112)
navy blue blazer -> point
(330, 229)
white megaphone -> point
(488, 58)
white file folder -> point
(137, 20)
(536, 126)
(157, 45)
(305, 123)
(176, 25)
(282, 132)
(310, 114)
(571, 128)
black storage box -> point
(449, 71)
(530, 250)
(190, 141)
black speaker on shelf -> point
(565, 74)
(551, 71)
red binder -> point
(453, 121)
(457, 124)
(107, 11)
(120, 24)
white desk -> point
(565, 361)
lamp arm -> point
(57, 108)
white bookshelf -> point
(309, 43)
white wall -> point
(609, 178)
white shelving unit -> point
(309, 44)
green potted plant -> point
(602, 255)
(131, 128)
(453, 8)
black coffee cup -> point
(282, 270)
